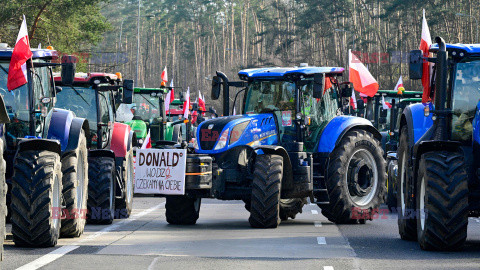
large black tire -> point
(355, 178)
(3, 200)
(101, 190)
(289, 208)
(266, 186)
(442, 199)
(182, 210)
(36, 199)
(391, 199)
(407, 220)
(124, 204)
(75, 189)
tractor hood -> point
(139, 127)
(223, 133)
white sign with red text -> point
(160, 171)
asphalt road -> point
(223, 239)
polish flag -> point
(399, 87)
(201, 101)
(169, 98)
(186, 104)
(386, 105)
(353, 100)
(361, 78)
(147, 143)
(425, 44)
(164, 75)
(17, 71)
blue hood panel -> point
(261, 130)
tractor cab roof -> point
(90, 78)
(469, 49)
(149, 91)
(46, 54)
(393, 93)
(287, 73)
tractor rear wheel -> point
(75, 189)
(407, 220)
(391, 199)
(3, 200)
(124, 205)
(355, 178)
(265, 201)
(101, 190)
(182, 210)
(289, 208)
(36, 198)
(442, 199)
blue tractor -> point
(3, 185)
(439, 150)
(46, 154)
(290, 144)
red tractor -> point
(95, 96)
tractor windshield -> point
(80, 100)
(268, 96)
(145, 107)
(466, 96)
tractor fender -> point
(278, 150)
(76, 127)
(333, 133)
(66, 128)
(101, 153)
(39, 144)
(120, 139)
(59, 126)
(417, 124)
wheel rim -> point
(80, 182)
(366, 178)
(422, 203)
(129, 181)
(56, 202)
(402, 184)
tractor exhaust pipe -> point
(441, 69)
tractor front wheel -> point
(182, 210)
(442, 199)
(124, 204)
(355, 178)
(289, 208)
(101, 190)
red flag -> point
(164, 75)
(17, 71)
(361, 78)
(425, 44)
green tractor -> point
(149, 114)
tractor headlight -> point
(140, 141)
(222, 142)
(237, 131)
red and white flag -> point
(169, 98)
(17, 71)
(164, 75)
(353, 100)
(361, 78)
(186, 104)
(385, 104)
(147, 143)
(399, 87)
(425, 44)
(201, 101)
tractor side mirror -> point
(128, 91)
(194, 107)
(69, 66)
(415, 64)
(318, 85)
(3, 112)
(360, 104)
(347, 91)
(216, 85)
(383, 113)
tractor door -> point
(106, 118)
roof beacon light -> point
(303, 64)
(49, 48)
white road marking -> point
(318, 224)
(314, 212)
(328, 268)
(59, 252)
(321, 241)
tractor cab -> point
(94, 96)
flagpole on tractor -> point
(138, 42)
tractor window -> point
(267, 96)
(466, 95)
(81, 101)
